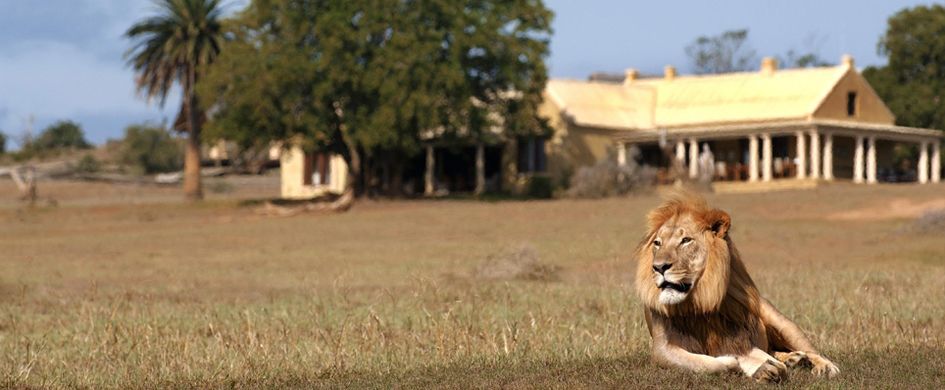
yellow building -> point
(311, 175)
(820, 123)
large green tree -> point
(175, 46)
(369, 78)
(913, 82)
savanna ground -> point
(125, 287)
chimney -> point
(669, 72)
(847, 61)
(630, 75)
(768, 66)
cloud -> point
(62, 59)
(57, 80)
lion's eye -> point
(685, 240)
(657, 243)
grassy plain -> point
(124, 287)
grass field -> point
(126, 288)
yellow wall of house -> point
(571, 146)
(870, 108)
(292, 166)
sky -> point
(63, 59)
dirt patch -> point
(899, 208)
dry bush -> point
(517, 263)
(931, 221)
(607, 178)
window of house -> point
(851, 103)
(317, 169)
(531, 155)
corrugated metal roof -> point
(694, 100)
(600, 104)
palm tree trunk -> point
(193, 190)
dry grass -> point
(99, 293)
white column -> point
(801, 155)
(753, 157)
(693, 158)
(936, 161)
(828, 156)
(681, 151)
(814, 154)
(621, 154)
(871, 160)
(924, 162)
(428, 175)
(858, 160)
(480, 169)
(767, 162)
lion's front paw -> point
(796, 359)
(823, 366)
(771, 371)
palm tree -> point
(175, 46)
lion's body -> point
(701, 305)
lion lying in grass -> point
(703, 309)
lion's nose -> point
(661, 267)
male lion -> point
(702, 308)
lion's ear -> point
(719, 222)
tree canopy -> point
(731, 51)
(913, 82)
(369, 77)
(60, 135)
(723, 53)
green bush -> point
(539, 187)
(150, 149)
(61, 135)
(88, 164)
(3, 143)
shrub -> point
(150, 149)
(607, 178)
(3, 143)
(517, 263)
(57, 137)
(88, 164)
(61, 135)
(931, 221)
(539, 187)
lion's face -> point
(679, 254)
(684, 262)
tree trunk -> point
(193, 189)
(353, 160)
(192, 186)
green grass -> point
(212, 296)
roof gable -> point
(868, 106)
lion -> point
(702, 308)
